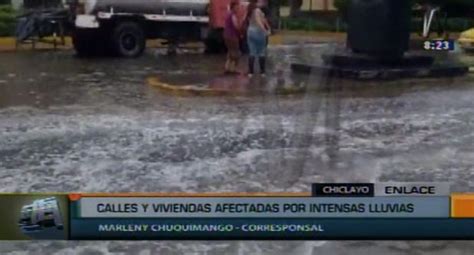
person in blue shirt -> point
(257, 37)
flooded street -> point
(94, 125)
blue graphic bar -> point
(271, 229)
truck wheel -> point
(128, 39)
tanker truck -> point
(121, 27)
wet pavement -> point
(94, 125)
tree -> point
(275, 7)
(454, 8)
(295, 7)
(7, 20)
(342, 6)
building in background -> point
(311, 5)
(318, 5)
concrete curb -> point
(192, 90)
(188, 90)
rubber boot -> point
(251, 65)
(262, 61)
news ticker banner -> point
(330, 212)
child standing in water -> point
(257, 33)
(232, 37)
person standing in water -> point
(232, 38)
(257, 33)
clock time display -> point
(439, 45)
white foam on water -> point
(108, 148)
(413, 136)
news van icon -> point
(42, 219)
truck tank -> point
(171, 7)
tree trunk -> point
(274, 7)
(295, 7)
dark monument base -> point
(378, 40)
(362, 67)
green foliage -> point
(447, 3)
(454, 25)
(341, 5)
(7, 20)
(453, 7)
(6, 8)
(460, 24)
(314, 24)
(281, 2)
(311, 24)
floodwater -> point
(94, 125)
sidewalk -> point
(282, 37)
(9, 44)
(305, 37)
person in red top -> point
(232, 38)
